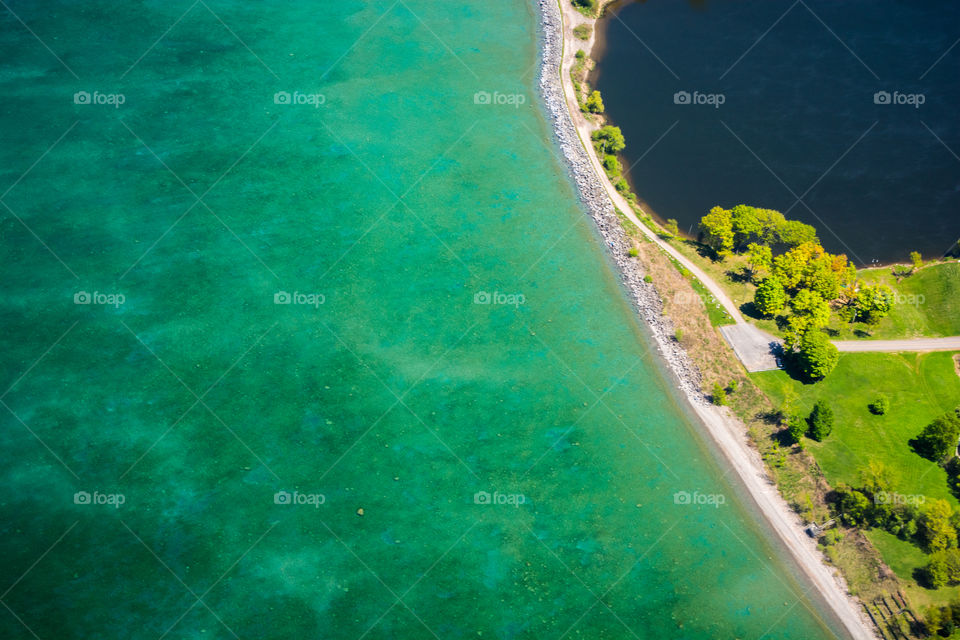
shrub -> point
(594, 103)
(633, 253)
(585, 4)
(719, 395)
(821, 421)
(609, 139)
(678, 335)
(796, 428)
(880, 406)
(916, 259)
(582, 31)
(621, 185)
(611, 165)
(581, 54)
(648, 279)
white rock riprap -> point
(601, 209)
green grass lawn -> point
(903, 558)
(920, 387)
(927, 302)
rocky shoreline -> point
(645, 297)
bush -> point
(796, 429)
(648, 279)
(821, 421)
(621, 185)
(678, 335)
(585, 4)
(582, 31)
(880, 406)
(611, 165)
(581, 54)
(916, 259)
(633, 253)
(719, 395)
(609, 139)
(594, 103)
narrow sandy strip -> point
(727, 431)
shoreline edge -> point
(725, 429)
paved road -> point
(917, 344)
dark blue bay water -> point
(799, 129)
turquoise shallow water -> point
(203, 406)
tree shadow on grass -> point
(750, 310)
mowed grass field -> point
(927, 302)
(920, 387)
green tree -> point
(873, 303)
(594, 103)
(916, 259)
(793, 233)
(671, 227)
(716, 230)
(880, 405)
(745, 224)
(877, 476)
(796, 428)
(770, 224)
(937, 573)
(612, 165)
(590, 5)
(817, 356)
(939, 438)
(770, 297)
(719, 395)
(760, 257)
(609, 139)
(853, 506)
(821, 421)
(935, 529)
(811, 305)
